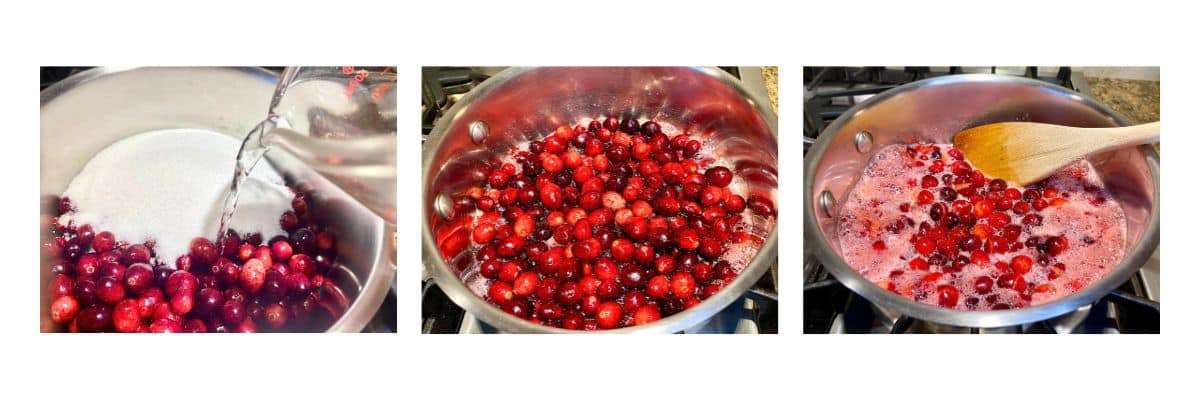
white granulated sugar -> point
(169, 186)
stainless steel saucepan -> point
(523, 103)
(89, 111)
(934, 110)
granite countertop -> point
(771, 78)
(1136, 100)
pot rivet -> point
(443, 206)
(827, 203)
(863, 141)
(478, 131)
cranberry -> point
(289, 221)
(110, 290)
(608, 315)
(61, 285)
(718, 176)
(209, 301)
(947, 296)
(1056, 245)
(103, 241)
(683, 284)
(94, 318)
(64, 309)
(139, 277)
(233, 312)
(924, 197)
(252, 275)
(281, 250)
(126, 316)
(500, 293)
(203, 251)
(983, 285)
(646, 314)
(181, 282)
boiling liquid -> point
(1095, 232)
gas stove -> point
(754, 312)
(830, 307)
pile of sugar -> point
(169, 186)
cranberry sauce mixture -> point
(242, 284)
(921, 222)
(605, 225)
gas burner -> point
(830, 307)
(755, 312)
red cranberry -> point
(64, 309)
(289, 221)
(126, 316)
(61, 285)
(947, 296)
(297, 283)
(683, 285)
(110, 290)
(103, 241)
(718, 176)
(252, 275)
(139, 277)
(275, 315)
(209, 301)
(181, 282)
(203, 251)
(608, 315)
(94, 318)
(281, 250)
(646, 314)
(500, 293)
(233, 312)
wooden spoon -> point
(1026, 152)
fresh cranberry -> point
(64, 309)
(139, 277)
(233, 312)
(110, 290)
(126, 316)
(94, 318)
(203, 251)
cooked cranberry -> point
(947, 296)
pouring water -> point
(355, 151)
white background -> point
(611, 32)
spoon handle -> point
(1131, 135)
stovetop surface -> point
(830, 307)
(755, 312)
